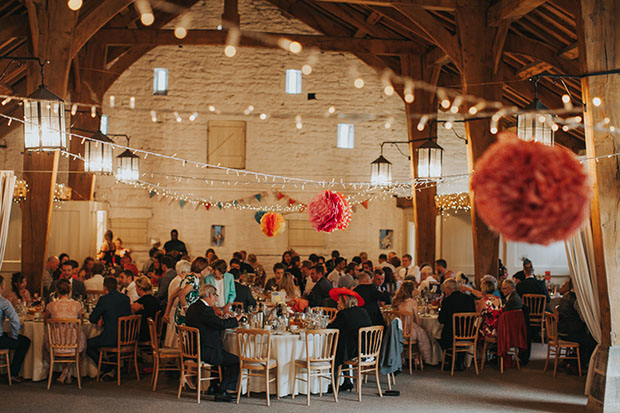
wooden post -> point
(479, 79)
(424, 210)
(231, 13)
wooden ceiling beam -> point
(12, 27)
(570, 52)
(33, 24)
(437, 5)
(400, 23)
(356, 20)
(532, 69)
(498, 43)
(539, 51)
(510, 10)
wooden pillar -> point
(424, 210)
(231, 13)
(479, 79)
(599, 50)
(52, 25)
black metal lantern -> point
(430, 160)
(44, 121)
(536, 124)
(128, 168)
(98, 154)
(381, 171)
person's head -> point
(63, 287)
(425, 272)
(503, 273)
(395, 261)
(66, 270)
(118, 243)
(352, 269)
(125, 278)
(236, 273)
(155, 243)
(18, 283)
(167, 263)
(405, 291)
(489, 277)
(335, 254)
(364, 278)
(89, 263)
(508, 287)
(357, 260)
(314, 259)
(208, 293)
(237, 255)
(407, 260)
(199, 264)
(243, 255)
(367, 266)
(321, 260)
(98, 268)
(305, 268)
(296, 261)
(528, 267)
(63, 257)
(252, 260)
(389, 275)
(441, 266)
(449, 286)
(219, 268)
(382, 258)
(52, 263)
(287, 283)
(126, 259)
(487, 287)
(109, 284)
(183, 267)
(235, 263)
(286, 258)
(378, 277)
(518, 277)
(363, 256)
(278, 271)
(157, 260)
(317, 272)
(346, 301)
(143, 285)
(108, 236)
(210, 253)
(341, 263)
(174, 234)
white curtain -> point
(580, 254)
(7, 185)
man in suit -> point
(513, 300)
(530, 285)
(78, 290)
(167, 266)
(202, 316)
(319, 295)
(109, 308)
(453, 302)
(371, 296)
(244, 294)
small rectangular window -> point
(293, 82)
(160, 81)
(103, 125)
(346, 135)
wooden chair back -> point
(64, 335)
(254, 345)
(535, 303)
(189, 340)
(369, 342)
(128, 330)
(406, 318)
(153, 334)
(321, 344)
(159, 322)
(330, 311)
(465, 326)
(551, 325)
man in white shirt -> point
(95, 283)
(409, 269)
(348, 280)
(338, 271)
(383, 262)
(128, 286)
(305, 272)
(427, 278)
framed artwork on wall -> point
(217, 235)
(386, 239)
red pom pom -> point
(329, 211)
(530, 192)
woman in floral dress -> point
(188, 291)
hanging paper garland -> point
(530, 192)
(328, 211)
(182, 203)
(258, 215)
(272, 224)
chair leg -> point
(181, 380)
(49, 379)
(267, 384)
(359, 383)
(475, 359)
(276, 382)
(8, 366)
(239, 382)
(118, 367)
(579, 361)
(135, 361)
(334, 385)
(99, 364)
(555, 366)
(389, 384)
(453, 360)
(198, 382)
(484, 355)
(155, 372)
(410, 359)
(77, 371)
(377, 378)
(542, 334)
(547, 359)
(443, 359)
(501, 364)
(308, 388)
(294, 384)
(516, 351)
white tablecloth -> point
(433, 327)
(285, 349)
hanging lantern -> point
(381, 172)
(430, 160)
(98, 154)
(128, 169)
(44, 121)
(536, 125)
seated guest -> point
(235, 264)
(390, 283)
(572, 326)
(351, 316)
(51, 265)
(305, 273)
(489, 277)
(372, 297)
(513, 300)
(86, 271)
(287, 284)
(156, 243)
(74, 269)
(201, 315)
(146, 306)
(244, 294)
(182, 268)
(106, 313)
(454, 302)
(257, 268)
(490, 308)
(378, 281)
(190, 287)
(18, 293)
(12, 340)
(349, 277)
(154, 271)
(427, 277)
(128, 285)
(337, 272)
(383, 262)
(278, 272)
(295, 270)
(245, 266)
(530, 285)
(409, 269)
(78, 290)
(331, 263)
(67, 308)
(224, 282)
(127, 264)
(404, 301)
(441, 270)
(167, 266)
(95, 283)
(320, 292)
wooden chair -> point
(320, 357)
(191, 364)
(64, 339)
(126, 348)
(367, 360)
(536, 304)
(330, 311)
(465, 328)
(161, 354)
(159, 324)
(6, 363)
(557, 344)
(255, 355)
(410, 344)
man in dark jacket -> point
(454, 302)
(319, 295)
(572, 326)
(513, 300)
(372, 296)
(78, 290)
(202, 316)
(244, 294)
(109, 308)
(168, 267)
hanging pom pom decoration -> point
(530, 192)
(328, 211)
(258, 215)
(272, 224)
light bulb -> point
(445, 103)
(5, 101)
(153, 116)
(180, 32)
(111, 101)
(147, 18)
(565, 98)
(388, 90)
(74, 5)
(493, 130)
(263, 116)
(93, 111)
(306, 69)
(332, 109)
(295, 47)
(211, 108)
(359, 83)
(132, 102)
(73, 109)
(596, 101)
(230, 51)
(409, 98)
(193, 116)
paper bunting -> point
(258, 197)
(258, 215)
(152, 194)
(182, 203)
(280, 195)
(364, 204)
(207, 206)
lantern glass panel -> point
(44, 125)
(127, 168)
(535, 126)
(381, 172)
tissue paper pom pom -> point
(259, 215)
(530, 192)
(328, 211)
(272, 224)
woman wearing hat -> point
(349, 319)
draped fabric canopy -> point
(7, 184)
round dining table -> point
(430, 323)
(285, 349)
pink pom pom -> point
(328, 211)
(530, 192)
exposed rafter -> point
(541, 52)
(510, 10)
(439, 5)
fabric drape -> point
(7, 185)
